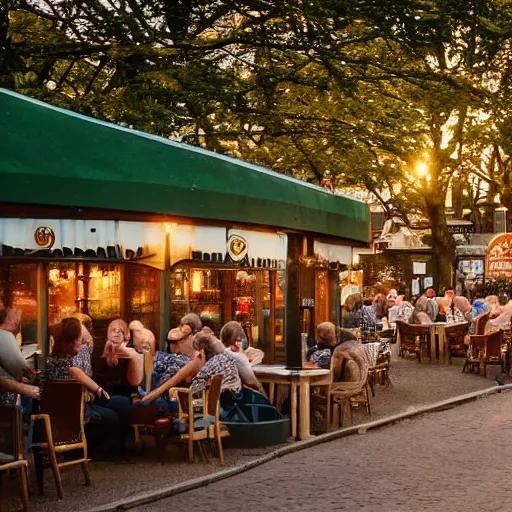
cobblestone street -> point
(447, 461)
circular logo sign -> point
(45, 237)
(237, 247)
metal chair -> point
(59, 428)
(11, 447)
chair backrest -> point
(493, 344)
(409, 332)
(349, 358)
(213, 396)
(11, 439)
(372, 352)
(62, 400)
(148, 370)
(455, 334)
(481, 322)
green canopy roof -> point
(53, 156)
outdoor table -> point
(438, 339)
(274, 374)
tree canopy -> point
(364, 89)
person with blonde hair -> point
(119, 370)
(143, 339)
(493, 305)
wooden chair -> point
(204, 421)
(484, 349)
(192, 418)
(454, 344)
(414, 338)
(216, 431)
(148, 373)
(481, 322)
(348, 386)
(59, 428)
(11, 447)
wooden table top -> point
(282, 371)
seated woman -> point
(71, 359)
(231, 335)
(493, 305)
(119, 370)
(180, 341)
(351, 365)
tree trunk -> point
(443, 244)
(457, 197)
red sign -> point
(498, 258)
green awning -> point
(50, 156)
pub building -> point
(102, 220)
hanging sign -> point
(498, 258)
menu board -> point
(498, 258)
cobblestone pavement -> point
(442, 462)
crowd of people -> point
(114, 374)
(383, 310)
(114, 378)
(118, 383)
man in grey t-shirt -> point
(13, 365)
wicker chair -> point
(11, 447)
(348, 385)
(59, 428)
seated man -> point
(327, 340)
(13, 365)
